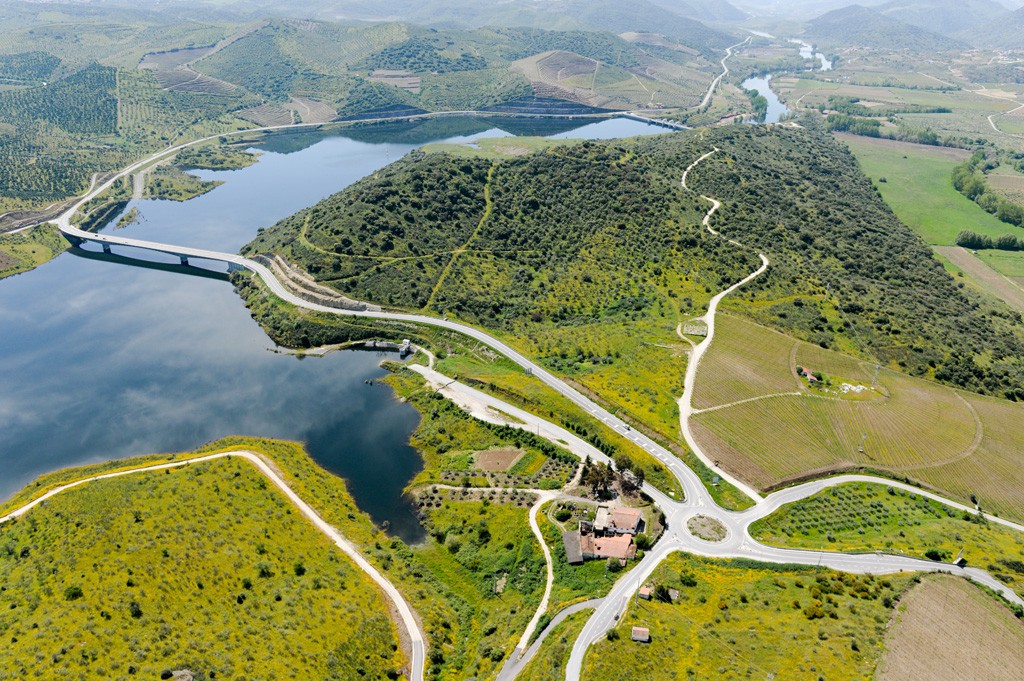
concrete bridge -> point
(79, 236)
(660, 122)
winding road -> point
(418, 652)
(725, 71)
(738, 542)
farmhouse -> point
(573, 548)
(617, 521)
(641, 634)
(808, 374)
(620, 546)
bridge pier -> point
(184, 260)
(234, 267)
(106, 247)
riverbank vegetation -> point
(29, 249)
(216, 157)
(172, 183)
(738, 619)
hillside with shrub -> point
(601, 233)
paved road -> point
(418, 652)
(723, 74)
(514, 665)
(697, 499)
(738, 542)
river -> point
(776, 109)
(106, 357)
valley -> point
(503, 343)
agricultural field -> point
(919, 188)
(982, 270)
(735, 620)
(591, 82)
(901, 79)
(27, 250)
(730, 372)
(960, 443)
(1007, 182)
(554, 653)
(948, 627)
(227, 554)
(864, 517)
(266, 115)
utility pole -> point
(875, 379)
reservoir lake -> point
(107, 356)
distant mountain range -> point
(1005, 32)
(715, 11)
(676, 19)
(950, 17)
(861, 26)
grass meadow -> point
(739, 621)
(919, 189)
(206, 568)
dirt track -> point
(990, 280)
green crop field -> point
(960, 443)
(919, 189)
(204, 568)
(866, 517)
(735, 621)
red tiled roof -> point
(626, 518)
(619, 546)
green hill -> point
(590, 15)
(704, 10)
(354, 69)
(597, 234)
(858, 26)
(954, 18)
(1005, 32)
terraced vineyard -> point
(745, 361)
(957, 442)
